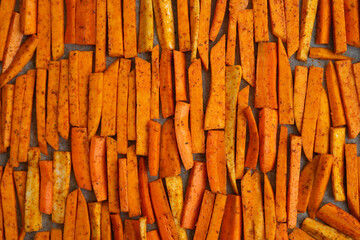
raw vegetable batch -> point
(106, 111)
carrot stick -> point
(165, 24)
(325, 53)
(70, 215)
(166, 87)
(247, 205)
(61, 176)
(311, 112)
(195, 27)
(323, 124)
(169, 153)
(74, 107)
(8, 202)
(51, 135)
(217, 216)
(80, 157)
(242, 103)
(63, 105)
(96, 82)
(100, 36)
(232, 220)
(123, 185)
(253, 146)
(281, 231)
(129, 18)
(41, 76)
(348, 91)
(352, 179)
(337, 143)
(300, 86)
(180, 76)
(183, 26)
(196, 107)
(85, 69)
(203, 221)
(112, 175)
(57, 28)
(105, 222)
(146, 206)
(155, 83)
(323, 22)
(281, 176)
(215, 110)
(298, 234)
(269, 209)
(70, 23)
(7, 9)
(42, 236)
(85, 18)
(46, 186)
(13, 41)
(356, 69)
(194, 193)
(56, 234)
(339, 26)
(265, 91)
(182, 132)
(26, 113)
(204, 30)
(292, 26)
(321, 231)
(108, 113)
(22, 57)
(146, 27)
(216, 161)
(294, 172)
(7, 98)
(278, 22)
(143, 92)
(97, 161)
(154, 147)
(261, 21)
(82, 223)
(20, 184)
(122, 109)
(115, 29)
(162, 211)
(246, 44)
(33, 217)
(28, 16)
(258, 208)
(133, 183)
(117, 226)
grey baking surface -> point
(65, 145)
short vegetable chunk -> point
(292, 26)
(339, 26)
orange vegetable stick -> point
(194, 194)
(265, 91)
(253, 146)
(323, 22)
(146, 206)
(348, 91)
(196, 107)
(13, 41)
(268, 122)
(336, 106)
(180, 76)
(129, 17)
(183, 26)
(325, 53)
(232, 220)
(98, 167)
(269, 209)
(339, 26)
(217, 216)
(7, 98)
(278, 22)
(105, 222)
(258, 208)
(8, 201)
(261, 21)
(300, 85)
(41, 76)
(108, 113)
(95, 217)
(85, 69)
(112, 175)
(281, 231)
(194, 26)
(292, 26)
(28, 16)
(46, 186)
(165, 24)
(20, 184)
(133, 183)
(234, 8)
(85, 18)
(281, 176)
(132, 229)
(352, 22)
(154, 147)
(311, 112)
(70, 215)
(123, 185)
(57, 28)
(162, 210)
(166, 87)
(204, 30)
(203, 221)
(153, 235)
(321, 231)
(323, 124)
(155, 83)
(298, 234)
(96, 82)
(7, 9)
(294, 172)
(143, 92)
(80, 157)
(352, 179)
(100, 36)
(26, 113)
(246, 44)
(182, 132)
(63, 106)
(122, 109)
(169, 153)
(117, 226)
(247, 205)
(115, 28)
(56, 234)
(42, 236)
(74, 107)
(218, 18)
(43, 52)
(215, 109)
(356, 69)
(82, 225)
(70, 23)
(216, 161)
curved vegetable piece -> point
(165, 23)
(247, 205)
(70, 215)
(253, 146)
(145, 199)
(82, 225)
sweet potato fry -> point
(154, 147)
(278, 22)
(232, 220)
(97, 159)
(7, 9)
(183, 26)
(216, 161)
(100, 36)
(323, 22)
(217, 216)
(218, 18)
(61, 175)
(194, 193)
(115, 29)
(63, 105)
(196, 107)
(82, 225)
(321, 231)
(169, 153)
(145, 200)
(258, 208)
(85, 69)
(80, 157)
(204, 30)
(153, 235)
(123, 185)
(122, 109)
(155, 83)
(203, 221)
(265, 91)
(352, 179)
(166, 87)
(70, 23)
(180, 76)
(281, 176)
(108, 113)
(247, 205)
(20, 185)
(117, 226)
(7, 98)
(133, 183)
(261, 21)
(96, 82)
(246, 44)
(85, 18)
(356, 69)
(105, 222)
(298, 234)
(323, 124)
(129, 18)
(269, 209)
(57, 28)
(42, 236)
(142, 228)
(95, 217)
(215, 109)
(46, 186)
(268, 122)
(294, 172)
(325, 53)
(252, 153)
(195, 27)
(33, 217)
(281, 231)
(300, 86)
(132, 229)
(28, 16)
(56, 234)
(146, 27)
(112, 175)
(234, 8)
(74, 107)
(70, 215)
(339, 26)
(165, 24)
(348, 91)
